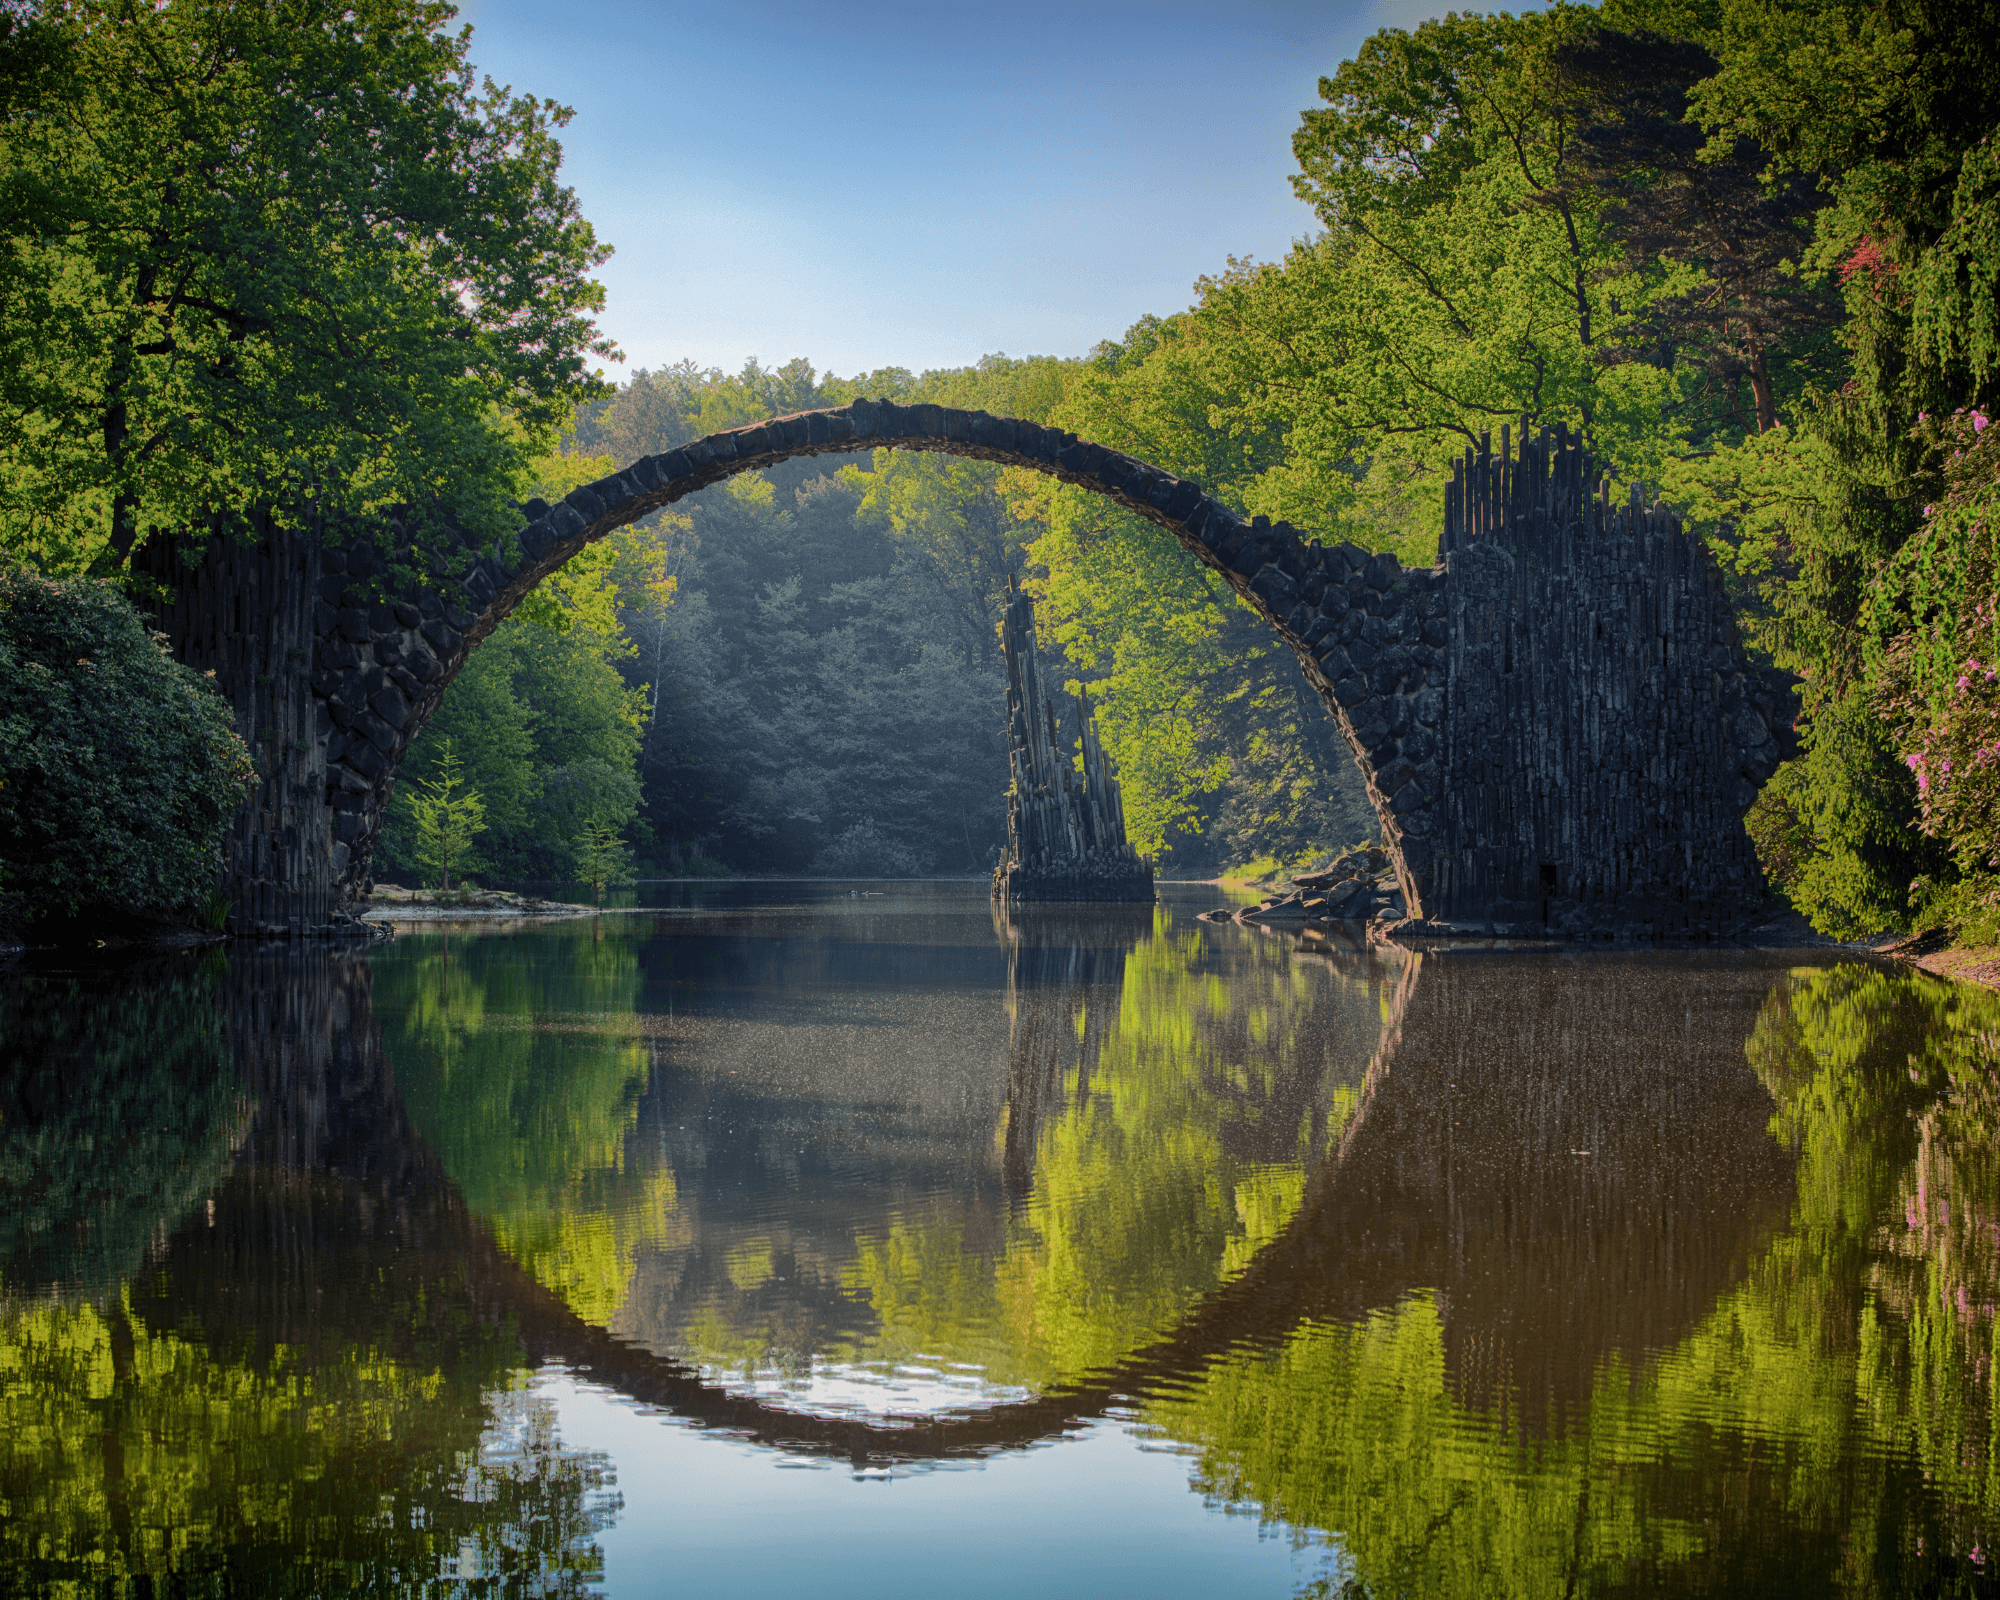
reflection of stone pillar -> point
(337, 1220)
(1060, 965)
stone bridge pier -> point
(1558, 726)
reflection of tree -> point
(1816, 1419)
(513, 1060)
(117, 1107)
(128, 1452)
(1175, 1102)
(305, 1392)
(1164, 1098)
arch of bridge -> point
(1557, 726)
(1367, 632)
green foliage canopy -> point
(259, 256)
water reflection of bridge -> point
(1568, 1152)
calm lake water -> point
(815, 1240)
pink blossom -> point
(1978, 422)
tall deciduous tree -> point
(270, 255)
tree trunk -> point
(1760, 387)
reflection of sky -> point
(1106, 1514)
(921, 186)
(873, 1388)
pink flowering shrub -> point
(1952, 748)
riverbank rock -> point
(1368, 863)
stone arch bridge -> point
(1558, 727)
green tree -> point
(119, 768)
(1889, 110)
(549, 728)
(271, 254)
(602, 857)
(448, 818)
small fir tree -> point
(602, 857)
(448, 816)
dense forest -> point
(1749, 249)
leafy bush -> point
(119, 767)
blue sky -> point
(919, 185)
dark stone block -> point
(1277, 591)
(537, 540)
(442, 638)
(1248, 559)
(365, 758)
(1218, 528)
(1750, 729)
(377, 732)
(1387, 675)
(534, 508)
(406, 614)
(354, 625)
(457, 616)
